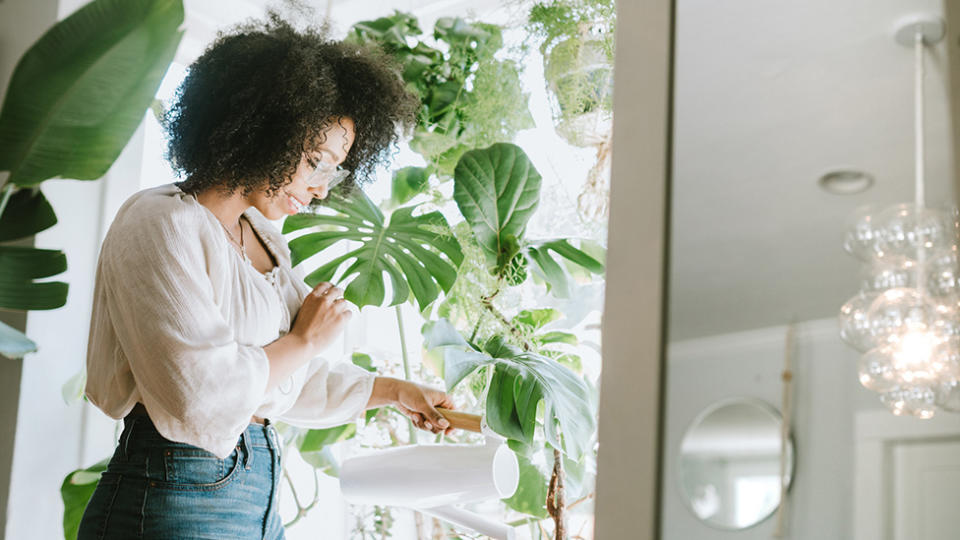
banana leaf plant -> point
(73, 102)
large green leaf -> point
(27, 213)
(531, 495)
(19, 266)
(565, 396)
(81, 90)
(546, 265)
(76, 490)
(14, 343)
(323, 460)
(409, 182)
(497, 190)
(315, 439)
(408, 249)
(521, 381)
(459, 358)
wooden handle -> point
(461, 420)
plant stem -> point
(476, 327)
(302, 510)
(487, 302)
(7, 192)
(555, 503)
(406, 365)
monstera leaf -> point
(497, 190)
(543, 257)
(521, 380)
(418, 253)
(81, 90)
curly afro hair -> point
(263, 94)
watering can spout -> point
(473, 521)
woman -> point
(202, 335)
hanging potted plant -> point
(577, 44)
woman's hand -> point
(321, 317)
(416, 401)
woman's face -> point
(286, 201)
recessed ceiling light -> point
(845, 182)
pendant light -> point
(904, 319)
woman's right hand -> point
(322, 316)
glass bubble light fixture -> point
(904, 318)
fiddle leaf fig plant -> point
(497, 190)
(415, 251)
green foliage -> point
(27, 212)
(363, 360)
(409, 182)
(577, 43)
(469, 97)
(497, 190)
(521, 380)
(14, 344)
(408, 249)
(76, 490)
(531, 495)
(73, 101)
(19, 266)
(80, 91)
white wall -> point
(827, 394)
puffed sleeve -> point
(199, 382)
(331, 395)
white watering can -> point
(434, 478)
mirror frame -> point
(697, 420)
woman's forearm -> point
(286, 355)
(384, 392)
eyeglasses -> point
(332, 173)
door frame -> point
(875, 434)
(631, 389)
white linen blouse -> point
(180, 320)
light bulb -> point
(876, 370)
(918, 401)
(913, 351)
(861, 237)
(911, 231)
(902, 312)
(854, 324)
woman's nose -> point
(319, 192)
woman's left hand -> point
(416, 401)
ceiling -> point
(769, 96)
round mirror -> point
(730, 463)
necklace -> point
(243, 250)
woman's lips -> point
(293, 204)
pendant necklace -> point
(243, 250)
